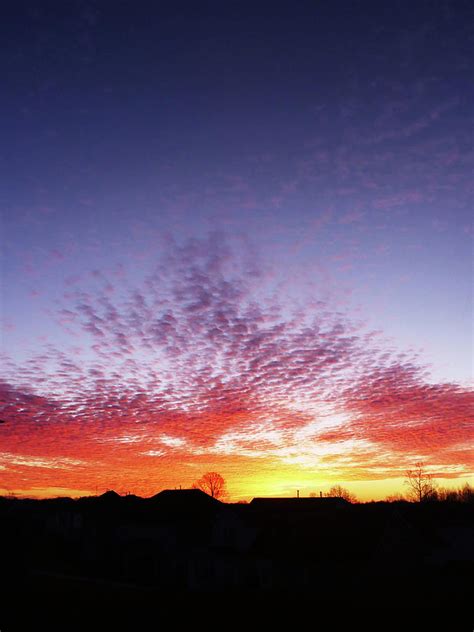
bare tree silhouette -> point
(211, 483)
(421, 485)
(337, 491)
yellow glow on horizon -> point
(266, 481)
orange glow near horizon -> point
(126, 467)
(364, 491)
(273, 398)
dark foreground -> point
(129, 555)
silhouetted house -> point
(232, 531)
(65, 521)
(110, 496)
(297, 504)
(184, 540)
(185, 501)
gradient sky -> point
(236, 237)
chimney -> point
(320, 494)
(297, 493)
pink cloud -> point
(193, 352)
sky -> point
(236, 237)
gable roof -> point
(185, 500)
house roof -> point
(192, 500)
(298, 504)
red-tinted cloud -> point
(198, 360)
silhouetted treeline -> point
(464, 494)
(184, 541)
